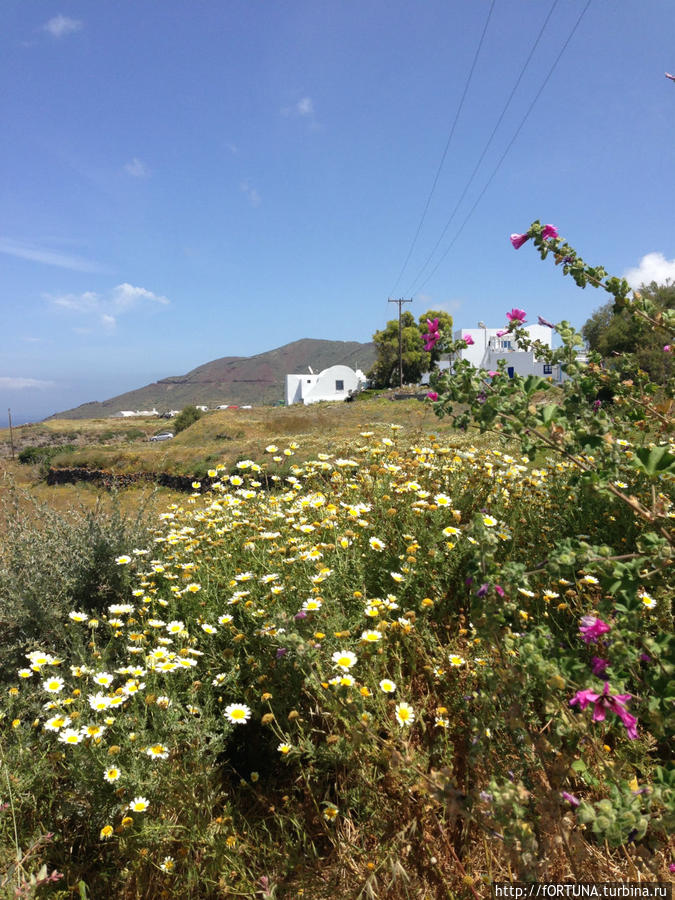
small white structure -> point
(488, 348)
(131, 413)
(334, 383)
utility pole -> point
(11, 435)
(400, 345)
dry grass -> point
(66, 497)
(222, 436)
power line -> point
(447, 146)
(487, 145)
(510, 144)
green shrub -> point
(185, 418)
(43, 455)
(52, 561)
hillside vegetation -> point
(220, 436)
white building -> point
(488, 348)
(130, 413)
(334, 383)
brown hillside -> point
(236, 380)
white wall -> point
(324, 386)
(485, 341)
(297, 385)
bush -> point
(51, 561)
(43, 455)
(188, 416)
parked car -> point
(164, 436)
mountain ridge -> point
(233, 380)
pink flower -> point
(493, 373)
(549, 231)
(432, 395)
(667, 348)
(502, 332)
(615, 703)
(598, 665)
(518, 240)
(433, 326)
(468, 340)
(430, 341)
(516, 315)
(591, 628)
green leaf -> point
(654, 461)
(533, 383)
(549, 412)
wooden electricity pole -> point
(400, 344)
(11, 434)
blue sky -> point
(181, 181)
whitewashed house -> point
(333, 383)
(488, 348)
(131, 413)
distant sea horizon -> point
(22, 419)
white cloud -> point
(105, 308)
(60, 25)
(137, 168)
(126, 295)
(16, 384)
(653, 267)
(86, 302)
(304, 107)
(254, 197)
(25, 250)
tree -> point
(416, 360)
(627, 344)
(188, 416)
(444, 325)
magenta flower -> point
(430, 340)
(518, 240)
(571, 799)
(591, 628)
(598, 665)
(543, 321)
(433, 326)
(468, 340)
(667, 348)
(602, 703)
(549, 231)
(516, 315)
(502, 332)
(432, 395)
(499, 590)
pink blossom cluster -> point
(548, 232)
